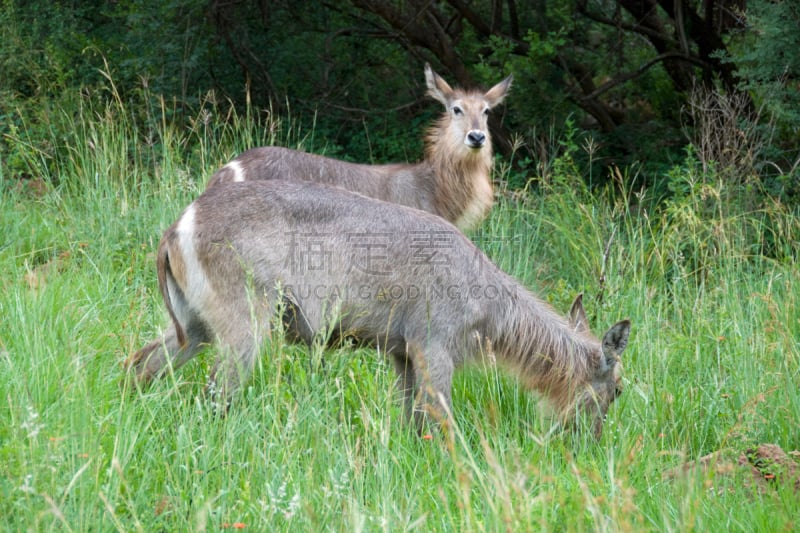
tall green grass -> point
(708, 278)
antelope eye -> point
(486, 112)
(457, 110)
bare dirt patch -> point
(763, 468)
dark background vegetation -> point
(635, 84)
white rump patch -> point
(236, 168)
(196, 284)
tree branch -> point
(651, 33)
(473, 18)
(622, 78)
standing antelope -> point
(402, 280)
(453, 181)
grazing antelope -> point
(405, 281)
(453, 181)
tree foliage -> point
(767, 57)
(621, 72)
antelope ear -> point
(437, 87)
(577, 316)
(496, 94)
(615, 340)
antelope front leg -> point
(405, 381)
(433, 375)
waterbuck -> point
(453, 181)
(405, 281)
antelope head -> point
(467, 111)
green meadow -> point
(316, 441)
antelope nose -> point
(475, 138)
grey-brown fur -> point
(453, 181)
(403, 280)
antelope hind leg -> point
(152, 360)
(240, 330)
